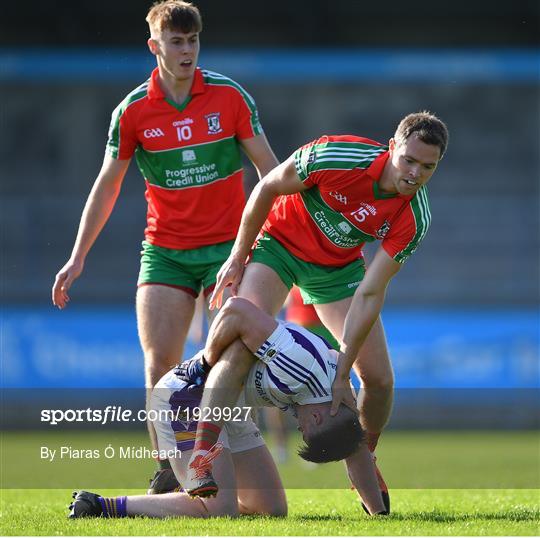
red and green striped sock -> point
(207, 436)
(372, 439)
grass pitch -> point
(419, 466)
(311, 513)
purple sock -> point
(113, 506)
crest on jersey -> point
(345, 227)
(214, 125)
(383, 230)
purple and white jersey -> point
(295, 366)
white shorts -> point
(172, 396)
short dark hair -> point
(174, 15)
(426, 127)
(337, 441)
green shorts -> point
(188, 270)
(319, 284)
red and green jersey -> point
(189, 157)
(329, 223)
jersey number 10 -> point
(184, 132)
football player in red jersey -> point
(185, 126)
(314, 212)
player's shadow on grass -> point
(320, 517)
(437, 516)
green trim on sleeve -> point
(422, 218)
(113, 141)
(335, 156)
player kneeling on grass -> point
(291, 368)
(238, 466)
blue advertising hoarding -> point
(91, 347)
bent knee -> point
(236, 306)
(154, 371)
(271, 503)
(238, 314)
(377, 381)
(229, 508)
(270, 510)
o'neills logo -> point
(181, 123)
(383, 230)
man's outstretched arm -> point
(97, 210)
(366, 484)
(365, 308)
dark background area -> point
(303, 23)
